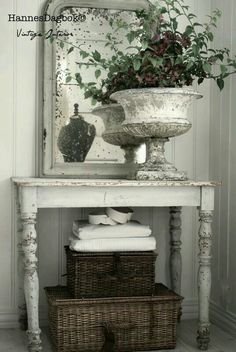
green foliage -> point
(97, 73)
(70, 50)
(159, 54)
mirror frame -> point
(48, 167)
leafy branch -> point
(157, 53)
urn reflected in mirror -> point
(76, 138)
(113, 116)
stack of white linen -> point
(131, 236)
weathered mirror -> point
(82, 23)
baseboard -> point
(190, 309)
(220, 317)
(9, 320)
(43, 317)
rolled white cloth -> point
(113, 244)
(85, 231)
(99, 217)
(120, 215)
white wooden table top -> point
(53, 182)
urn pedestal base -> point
(156, 167)
(160, 175)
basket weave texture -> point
(110, 274)
(138, 323)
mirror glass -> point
(71, 133)
(88, 33)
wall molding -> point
(9, 320)
(190, 309)
(220, 317)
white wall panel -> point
(19, 155)
(6, 157)
(223, 168)
(232, 180)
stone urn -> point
(156, 114)
(76, 138)
(113, 117)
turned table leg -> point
(204, 278)
(21, 300)
(20, 266)
(175, 251)
(31, 283)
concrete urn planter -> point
(156, 114)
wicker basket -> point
(134, 323)
(110, 274)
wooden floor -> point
(15, 340)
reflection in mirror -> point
(76, 138)
(84, 26)
(78, 134)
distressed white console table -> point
(35, 193)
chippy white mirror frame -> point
(48, 167)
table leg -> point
(20, 267)
(175, 251)
(31, 283)
(21, 300)
(204, 278)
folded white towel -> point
(113, 245)
(85, 231)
